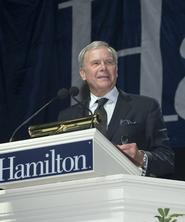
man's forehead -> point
(92, 53)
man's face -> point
(99, 70)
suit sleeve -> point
(160, 154)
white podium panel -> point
(79, 177)
(116, 198)
(76, 155)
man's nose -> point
(103, 64)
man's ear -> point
(82, 74)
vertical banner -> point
(149, 38)
(40, 42)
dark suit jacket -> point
(139, 119)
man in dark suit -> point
(134, 123)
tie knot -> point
(101, 102)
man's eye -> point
(105, 62)
(96, 63)
(109, 62)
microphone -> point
(74, 91)
(61, 94)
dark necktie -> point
(102, 115)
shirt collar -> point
(111, 96)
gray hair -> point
(94, 45)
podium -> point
(79, 176)
(63, 157)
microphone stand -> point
(62, 94)
(83, 106)
(74, 91)
(32, 116)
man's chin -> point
(103, 89)
(105, 83)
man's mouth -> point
(103, 77)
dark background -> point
(34, 64)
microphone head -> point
(74, 91)
(62, 93)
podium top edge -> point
(59, 138)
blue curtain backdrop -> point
(30, 63)
(40, 41)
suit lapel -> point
(79, 111)
(121, 109)
(85, 109)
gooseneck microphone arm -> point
(31, 117)
(74, 91)
(62, 93)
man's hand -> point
(131, 150)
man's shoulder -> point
(138, 102)
(130, 97)
(71, 112)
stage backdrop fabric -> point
(40, 41)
